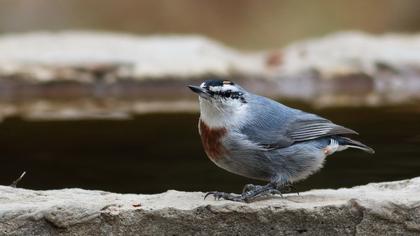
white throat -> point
(218, 116)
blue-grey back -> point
(267, 120)
(275, 125)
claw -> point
(208, 194)
(248, 187)
(275, 191)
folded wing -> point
(309, 126)
(279, 126)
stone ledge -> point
(379, 208)
(83, 75)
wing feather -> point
(277, 126)
(309, 126)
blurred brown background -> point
(244, 24)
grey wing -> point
(280, 126)
(308, 126)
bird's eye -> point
(228, 93)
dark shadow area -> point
(157, 152)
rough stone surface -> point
(391, 208)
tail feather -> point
(347, 142)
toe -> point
(248, 187)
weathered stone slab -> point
(391, 208)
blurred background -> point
(244, 24)
(156, 151)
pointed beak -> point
(200, 91)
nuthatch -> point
(259, 138)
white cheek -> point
(230, 113)
(233, 104)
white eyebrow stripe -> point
(225, 87)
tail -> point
(347, 142)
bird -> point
(259, 138)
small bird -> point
(259, 138)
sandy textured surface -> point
(380, 208)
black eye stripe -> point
(224, 94)
(229, 93)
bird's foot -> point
(250, 187)
(250, 193)
(256, 191)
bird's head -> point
(220, 99)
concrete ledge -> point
(380, 208)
